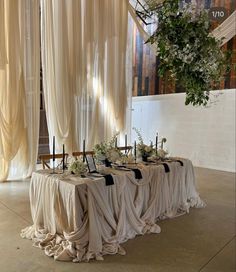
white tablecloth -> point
(78, 219)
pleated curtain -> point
(19, 87)
(84, 57)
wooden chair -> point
(77, 154)
(126, 149)
(45, 159)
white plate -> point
(96, 175)
(122, 168)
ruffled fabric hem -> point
(56, 246)
(61, 249)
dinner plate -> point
(122, 168)
(96, 175)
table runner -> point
(78, 219)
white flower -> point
(113, 154)
(127, 159)
(77, 167)
(162, 153)
(107, 150)
(100, 157)
(148, 149)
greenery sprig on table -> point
(188, 52)
(143, 149)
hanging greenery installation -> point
(188, 53)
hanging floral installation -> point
(188, 53)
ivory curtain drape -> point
(84, 69)
(19, 87)
(3, 53)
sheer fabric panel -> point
(84, 58)
(19, 88)
(3, 53)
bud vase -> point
(145, 158)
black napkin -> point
(109, 180)
(181, 163)
(137, 173)
(166, 166)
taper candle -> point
(53, 153)
(135, 151)
(125, 143)
(156, 142)
(63, 157)
(53, 148)
(83, 150)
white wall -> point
(204, 135)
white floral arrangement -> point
(113, 154)
(107, 150)
(127, 159)
(161, 153)
(100, 151)
(143, 149)
(77, 166)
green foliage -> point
(143, 149)
(187, 51)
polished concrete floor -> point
(203, 240)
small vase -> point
(145, 158)
(107, 163)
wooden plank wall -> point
(145, 63)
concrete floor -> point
(203, 240)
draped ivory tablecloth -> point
(78, 219)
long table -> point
(78, 219)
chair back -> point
(127, 149)
(45, 159)
(77, 154)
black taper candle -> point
(63, 157)
(116, 143)
(135, 151)
(53, 153)
(125, 143)
(156, 143)
(53, 149)
(83, 150)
